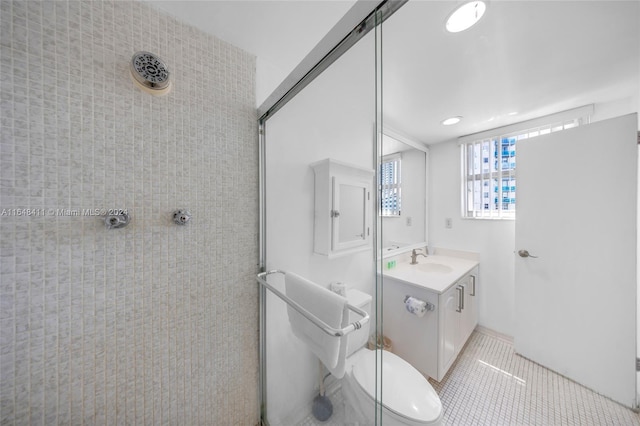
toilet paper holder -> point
(428, 305)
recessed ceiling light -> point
(451, 120)
(513, 113)
(465, 16)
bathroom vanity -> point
(449, 281)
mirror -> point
(403, 217)
(342, 208)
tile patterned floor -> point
(490, 385)
(337, 419)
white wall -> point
(332, 117)
(493, 239)
(616, 108)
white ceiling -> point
(529, 57)
(279, 33)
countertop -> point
(440, 279)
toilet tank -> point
(358, 338)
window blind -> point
(390, 185)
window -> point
(390, 185)
(489, 163)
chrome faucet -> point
(415, 254)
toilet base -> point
(360, 410)
(357, 415)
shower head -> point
(150, 73)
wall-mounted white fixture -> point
(150, 73)
(465, 16)
(451, 120)
(343, 204)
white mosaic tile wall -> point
(154, 323)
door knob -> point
(525, 253)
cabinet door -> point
(350, 224)
(450, 328)
(470, 312)
(469, 315)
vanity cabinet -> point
(458, 317)
(433, 342)
(469, 314)
(342, 211)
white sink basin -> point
(431, 267)
(435, 273)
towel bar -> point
(336, 332)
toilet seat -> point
(405, 392)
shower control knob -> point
(115, 221)
(181, 217)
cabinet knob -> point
(335, 213)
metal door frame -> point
(357, 22)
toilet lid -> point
(404, 390)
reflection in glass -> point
(352, 213)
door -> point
(577, 212)
(469, 317)
(350, 213)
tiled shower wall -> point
(151, 324)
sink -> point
(432, 267)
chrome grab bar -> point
(335, 332)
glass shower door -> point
(320, 220)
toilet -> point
(407, 396)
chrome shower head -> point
(150, 73)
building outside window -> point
(489, 163)
(390, 185)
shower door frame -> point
(357, 22)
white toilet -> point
(407, 397)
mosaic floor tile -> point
(490, 385)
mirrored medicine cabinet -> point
(343, 204)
